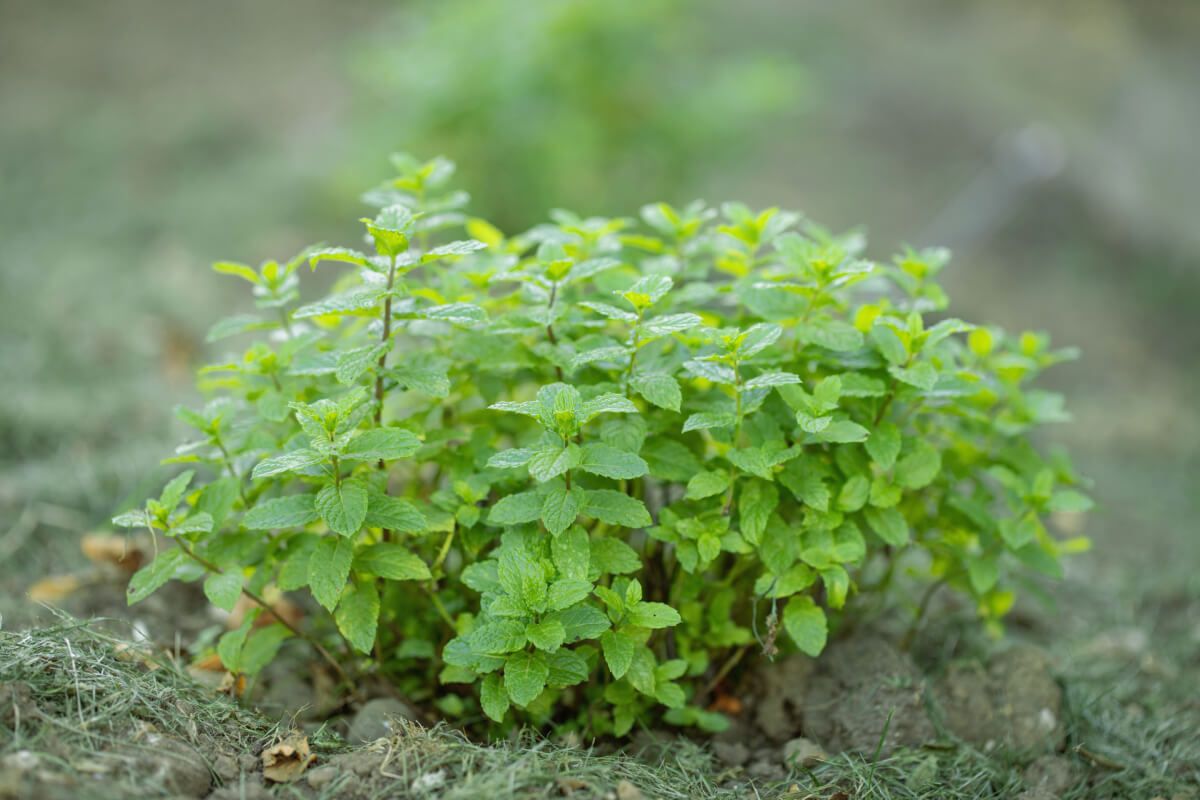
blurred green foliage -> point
(592, 105)
(132, 155)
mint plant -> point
(576, 475)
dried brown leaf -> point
(286, 761)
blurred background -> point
(1052, 146)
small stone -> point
(321, 777)
(1054, 774)
(732, 754)
(627, 791)
(801, 752)
(226, 768)
(376, 720)
(174, 765)
(765, 770)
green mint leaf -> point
(581, 622)
(889, 524)
(566, 592)
(293, 461)
(293, 511)
(547, 635)
(493, 697)
(223, 589)
(386, 444)
(653, 615)
(329, 569)
(609, 462)
(618, 652)
(560, 508)
(154, 575)
(615, 508)
(707, 484)
(884, 444)
(392, 561)
(805, 623)
(660, 389)
(516, 508)
(357, 615)
(525, 677)
(394, 514)
(344, 506)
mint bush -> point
(573, 476)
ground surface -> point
(1056, 711)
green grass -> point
(75, 698)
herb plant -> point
(575, 475)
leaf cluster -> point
(573, 475)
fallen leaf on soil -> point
(54, 588)
(112, 548)
(568, 786)
(286, 761)
(210, 663)
(727, 704)
(234, 686)
(132, 654)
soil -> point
(864, 696)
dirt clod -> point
(1014, 702)
(320, 777)
(866, 695)
(1055, 774)
(731, 754)
(174, 765)
(780, 697)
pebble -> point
(374, 720)
(801, 752)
